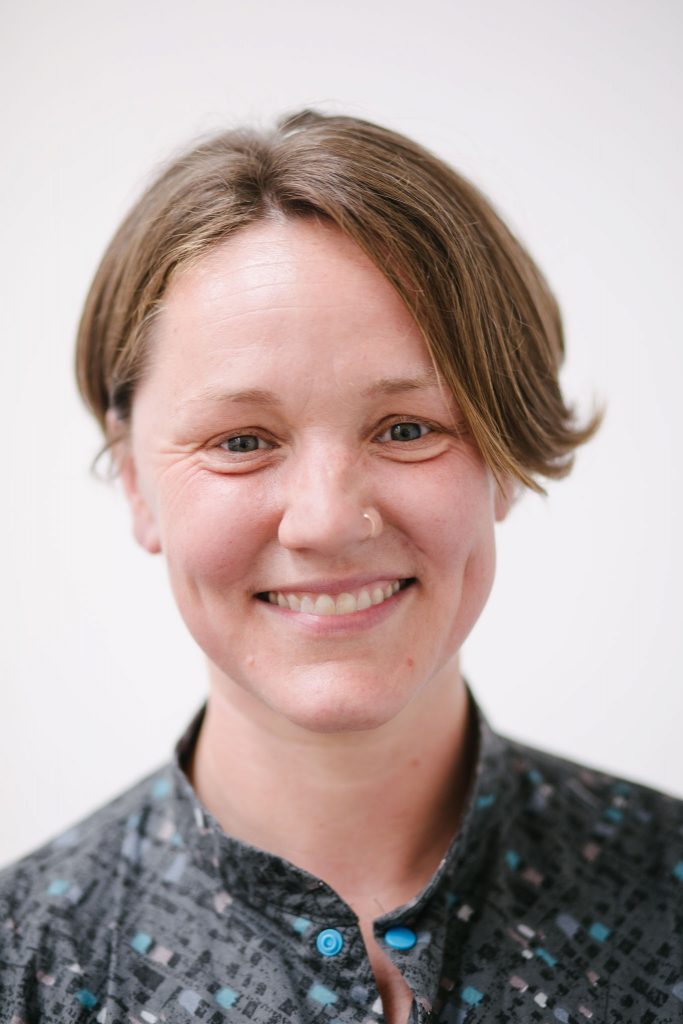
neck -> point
(371, 813)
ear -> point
(506, 492)
(145, 528)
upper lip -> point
(330, 586)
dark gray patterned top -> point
(560, 899)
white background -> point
(568, 115)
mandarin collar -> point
(277, 887)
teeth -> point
(343, 604)
(324, 605)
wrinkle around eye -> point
(423, 449)
(220, 460)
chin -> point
(329, 720)
(334, 720)
(338, 705)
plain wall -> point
(568, 116)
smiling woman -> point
(324, 369)
(313, 435)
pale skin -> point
(348, 732)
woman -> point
(324, 368)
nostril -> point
(328, 526)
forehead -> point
(310, 263)
(285, 297)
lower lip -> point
(340, 625)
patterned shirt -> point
(559, 899)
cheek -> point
(449, 516)
(446, 509)
(212, 526)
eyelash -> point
(235, 437)
(405, 422)
(430, 428)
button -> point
(329, 942)
(400, 938)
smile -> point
(340, 604)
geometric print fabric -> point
(560, 899)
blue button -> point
(400, 938)
(329, 942)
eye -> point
(242, 443)
(406, 430)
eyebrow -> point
(259, 396)
(400, 385)
(252, 396)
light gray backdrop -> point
(568, 115)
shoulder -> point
(591, 817)
(55, 902)
(580, 889)
(84, 850)
(594, 863)
(554, 786)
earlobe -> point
(144, 524)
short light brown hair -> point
(488, 317)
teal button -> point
(329, 942)
(400, 938)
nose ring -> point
(375, 520)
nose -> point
(325, 503)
